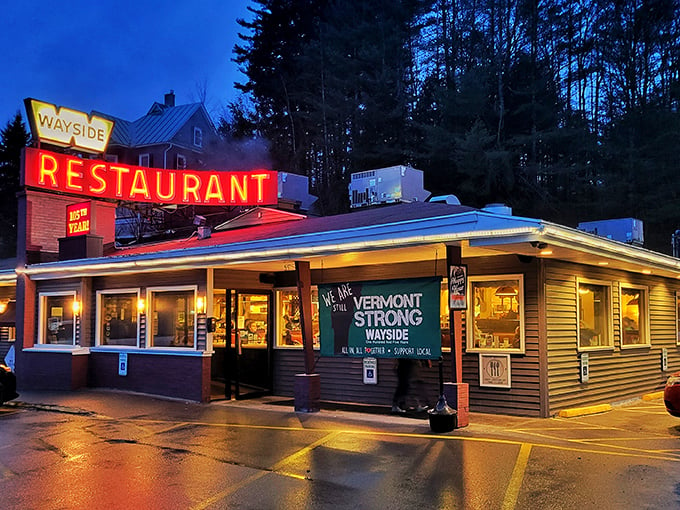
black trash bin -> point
(443, 418)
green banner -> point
(384, 319)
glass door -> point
(251, 312)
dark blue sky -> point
(118, 56)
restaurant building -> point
(547, 317)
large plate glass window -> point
(289, 328)
(171, 315)
(634, 316)
(57, 325)
(495, 315)
(594, 315)
(117, 317)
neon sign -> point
(50, 171)
(68, 128)
(78, 218)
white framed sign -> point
(370, 371)
(457, 287)
(494, 370)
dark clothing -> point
(404, 373)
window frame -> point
(98, 317)
(278, 322)
(42, 309)
(143, 155)
(610, 315)
(149, 317)
(643, 325)
(469, 313)
(181, 162)
(198, 137)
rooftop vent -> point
(445, 199)
(498, 208)
(626, 230)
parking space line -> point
(517, 477)
(276, 468)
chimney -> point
(170, 98)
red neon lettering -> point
(102, 183)
(191, 188)
(172, 177)
(139, 184)
(260, 187)
(241, 189)
(120, 170)
(214, 189)
(44, 158)
(72, 174)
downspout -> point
(165, 157)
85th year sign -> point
(383, 319)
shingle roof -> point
(160, 125)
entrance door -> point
(243, 363)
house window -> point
(495, 315)
(56, 319)
(111, 158)
(171, 317)
(444, 315)
(594, 315)
(634, 314)
(198, 137)
(288, 325)
(181, 162)
(145, 160)
(117, 317)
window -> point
(170, 320)
(198, 137)
(634, 331)
(594, 315)
(56, 319)
(677, 318)
(289, 329)
(444, 315)
(145, 160)
(181, 162)
(117, 317)
(495, 316)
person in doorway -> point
(407, 376)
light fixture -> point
(546, 252)
(76, 307)
(603, 263)
(506, 290)
(141, 305)
(646, 271)
(200, 305)
(3, 307)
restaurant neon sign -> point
(55, 172)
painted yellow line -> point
(582, 411)
(517, 477)
(653, 396)
(256, 476)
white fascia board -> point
(443, 229)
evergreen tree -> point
(13, 138)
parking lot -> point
(98, 448)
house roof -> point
(159, 125)
(407, 231)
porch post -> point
(307, 385)
(456, 392)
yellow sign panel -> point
(69, 128)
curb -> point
(582, 411)
(653, 396)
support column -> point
(307, 385)
(456, 392)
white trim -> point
(610, 314)
(146, 155)
(149, 316)
(470, 313)
(165, 351)
(98, 317)
(199, 131)
(42, 314)
(643, 322)
(75, 350)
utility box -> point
(626, 230)
(387, 186)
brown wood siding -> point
(524, 397)
(238, 279)
(616, 374)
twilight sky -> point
(118, 56)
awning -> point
(8, 317)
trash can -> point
(442, 418)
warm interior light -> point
(603, 263)
(3, 307)
(646, 271)
(140, 305)
(200, 305)
(545, 252)
(76, 307)
(506, 290)
(583, 290)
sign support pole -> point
(307, 385)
